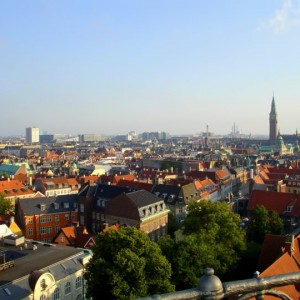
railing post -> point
(210, 286)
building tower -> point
(32, 135)
(273, 124)
(206, 140)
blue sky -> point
(110, 67)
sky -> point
(109, 67)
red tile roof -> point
(272, 249)
(275, 201)
(285, 264)
(14, 188)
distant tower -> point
(273, 124)
(32, 135)
(207, 137)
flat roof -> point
(27, 260)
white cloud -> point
(286, 17)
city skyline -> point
(110, 67)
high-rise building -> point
(32, 135)
(273, 124)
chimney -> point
(289, 244)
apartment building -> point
(42, 218)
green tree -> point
(127, 265)
(172, 224)
(4, 175)
(6, 206)
(212, 238)
(262, 222)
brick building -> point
(42, 218)
(141, 209)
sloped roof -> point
(13, 187)
(70, 233)
(275, 201)
(31, 206)
(283, 265)
(9, 169)
(5, 231)
(142, 198)
(85, 241)
(127, 205)
(110, 191)
(135, 184)
(271, 250)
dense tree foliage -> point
(127, 265)
(6, 206)
(212, 238)
(262, 222)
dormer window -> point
(56, 205)
(289, 208)
(66, 205)
(43, 284)
(42, 207)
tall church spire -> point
(273, 107)
(273, 123)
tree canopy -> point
(127, 265)
(262, 222)
(6, 206)
(212, 238)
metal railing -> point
(211, 288)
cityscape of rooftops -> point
(149, 148)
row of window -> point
(78, 284)
(44, 230)
(58, 192)
(45, 219)
(98, 216)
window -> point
(180, 210)
(43, 284)
(67, 288)
(57, 228)
(78, 282)
(81, 207)
(43, 230)
(30, 231)
(81, 220)
(49, 229)
(30, 220)
(67, 217)
(49, 218)
(56, 218)
(56, 294)
(43, 219)
(43, 297)
(73, 216)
